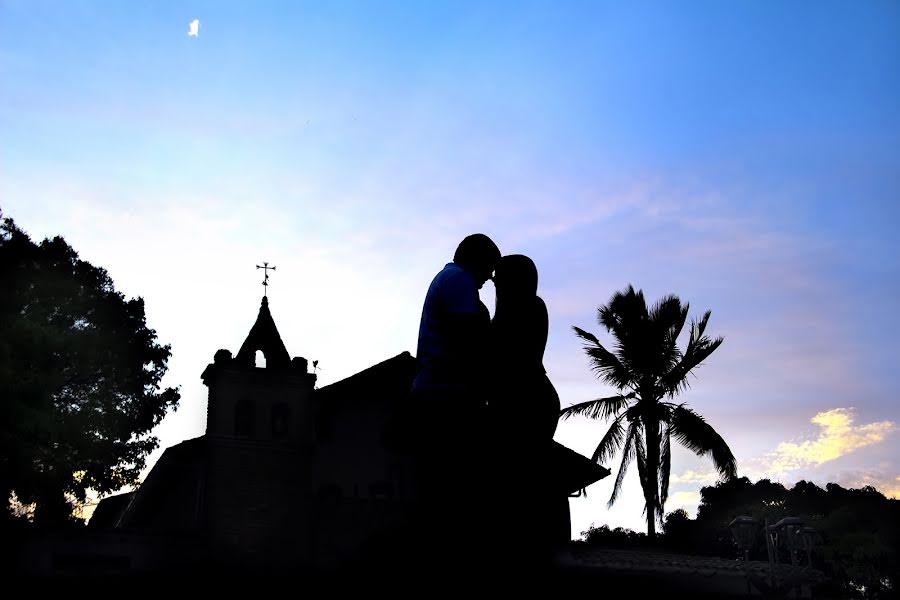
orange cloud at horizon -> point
(839, 436)
(891, 489)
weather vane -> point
(266, 268)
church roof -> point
(391, 379)
(264, 336)
(171, 498)
(380, 389)
(110, 510)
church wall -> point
(360, 484)
(262, 503)
(351, 453)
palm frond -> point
(642, 476)
(623, 310)
(693, 432)
(665, 467)
(627, 457)
(648, 483)
(610, 443)
(678, 324)
(586, 335)
(599, 408)
(604, 363)
(626, 317)
(698, 349)
(701, 325)
(669, 317)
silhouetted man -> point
(455, 323)
(448, 393)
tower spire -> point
(264, 336)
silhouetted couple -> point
(486, 412)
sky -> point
(740, 155)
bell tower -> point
(260, 433)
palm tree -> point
(649, 370)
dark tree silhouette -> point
(79, 378)
(857, 544)
(858, 530)
(648, 367)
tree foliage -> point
(80, 377)
(857, 542)
(649, 369)
(858, 529)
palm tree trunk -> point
(651, 489)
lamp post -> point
(808, 540)
(744, 531)
(789, 531)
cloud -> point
(194, 30)
(701, 477)
(686, 500)
(839, 436)
(889, 486)
(881, 477)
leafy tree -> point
(858, 530)
(620, 537)
(856, 544)
(677, 530)
(648, 367)
(79, 378)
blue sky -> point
(742, 155)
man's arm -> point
(467, 327)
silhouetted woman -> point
(524, 410)
(524, 400)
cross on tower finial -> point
(266, 268)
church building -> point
(286, 476)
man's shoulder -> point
(452, 275)
(450, 269)
(454, 289)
